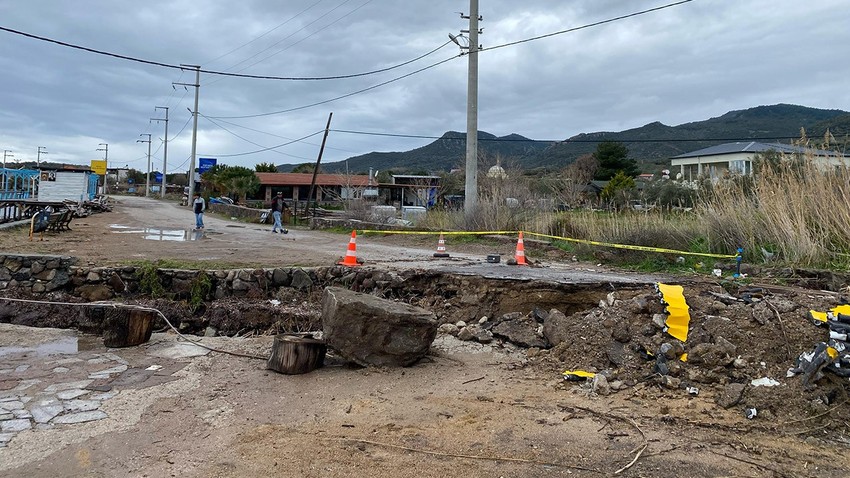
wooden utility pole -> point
(318, 161)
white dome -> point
(496, 172)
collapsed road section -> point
(692, 355)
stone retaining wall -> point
(40, 274)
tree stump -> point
(295, 355)
(127, 326)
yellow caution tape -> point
(822, 316)
(634, 248)
(679, 317)
(578, 374)
(451, 233)
(557, 238)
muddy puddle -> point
(66, 345)
(157, 234)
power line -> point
(255, 144)
(297, 31)
(264, 34)
(589, 25)
(276, 135)
(272, 147)
(213, 72)
(341, 96)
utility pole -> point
(105, 150)
(41, 150)
(5, 176)
(316, 169)
(148, 175)
(165, 146)
(197, 86)
(470, 203)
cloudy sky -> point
(685, 63)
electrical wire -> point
(306, 37)
(341, 96)
(589, 25)
(255, 144)
(213, 72)
(264, 34)
(269, 148)
(277, 135)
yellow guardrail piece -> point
(679, 317)
(577, 374)
(822, 316)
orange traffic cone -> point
(350, 255)
(520, 251)
(441, 248)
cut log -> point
(295, 355)
(127, 326)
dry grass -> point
(795, 210)
(792, 211)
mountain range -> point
(651, 145)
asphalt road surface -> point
(141, 228)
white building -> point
(67, 185)
(716, 161)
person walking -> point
(278, 205)
(199, 206)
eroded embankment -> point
(228, 302)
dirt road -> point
(467, 410)
(140, 228)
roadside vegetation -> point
(791, 212)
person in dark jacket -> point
(278, 205)
(199, 206)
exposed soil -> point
(468, 409)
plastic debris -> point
(577, 375)
(835, 312)
(837, 349)
(810, 364)
(751, 413)
(679, 318)
(692, 391)
(764, 382)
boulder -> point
(555, 327)
(731, 395)
(369, 330)
(519, 330)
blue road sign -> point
(205, 164)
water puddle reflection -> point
(156, 234)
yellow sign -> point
(98, 166)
